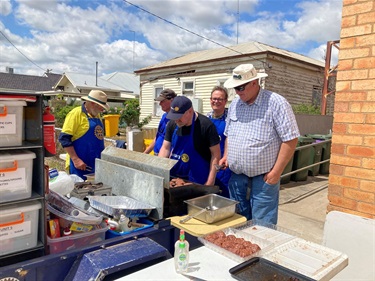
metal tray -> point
(259, 269)
(220, 207)
(117, 205)
(263, 244)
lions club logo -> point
(185, 158)
(99, 132)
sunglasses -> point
(241, 88)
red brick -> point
(366, 208)
(360, 173)
(368, 107)
(359, 195)
(355, 107)
(353, 74)
(342, 86)
(366, 18)
(365, 40)
(364, 63)
(369, 141)
(369, 163)
(338, 148)
(346, 22)
(345, 64)
(349, 117)
(371, 94)
(354, 53)
(356, 31)
(347, 139)
(370, 118)
(371, 74)
(358, 8)
(363, 85)
(345, 160)
(335, 189)
(342, 202)
(348, 2)
(352, 96)
(344, 182)
(341, 107)
(366, 185)
(339, 128)
(361, 129)
(336, 170)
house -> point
(298, 78)
(77, 85)
(27, 83)
(126, 80)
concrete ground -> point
(303, 206)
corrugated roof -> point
(126, 80)
(28, 82)
(85, 81)
(249, 48)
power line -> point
(22, 53)
(192, 32)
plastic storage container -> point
(11, 122)
(77, 240)
(16, 169)
(19, 227)
(111, 124)
(302, 158)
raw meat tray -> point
(263, 244)
(117, 205)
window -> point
(157, 111)
(188, 88)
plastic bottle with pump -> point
(181, 254)
(123, 223)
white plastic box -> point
(77, 240)
(11, 122)
(18, 227)
(16, 170)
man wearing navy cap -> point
(192, 139)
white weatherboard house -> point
(298, 78)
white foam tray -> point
(308, 258)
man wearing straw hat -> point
(82, 135)
(262, 134)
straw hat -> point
(98, 97)
(242, 74)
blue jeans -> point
(262, 200)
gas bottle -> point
(49, 133)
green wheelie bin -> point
(302, 158)
(326, 151)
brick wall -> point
(352, 171)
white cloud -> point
(5, 7)
(66, 35)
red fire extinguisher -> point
(49, 133)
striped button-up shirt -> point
(255, 132)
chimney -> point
(9, 70)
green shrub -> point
(306, 109)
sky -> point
(37, 36)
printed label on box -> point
(8, 124)
(13, 181)
(17, 230)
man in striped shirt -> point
(262, 134)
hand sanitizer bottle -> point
(181, 254)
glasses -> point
(216, 99)
(241, 88)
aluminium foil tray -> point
(117, 205)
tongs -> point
(195, 215)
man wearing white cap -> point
(82, 135)
(262, 134)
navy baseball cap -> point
(179, 106)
